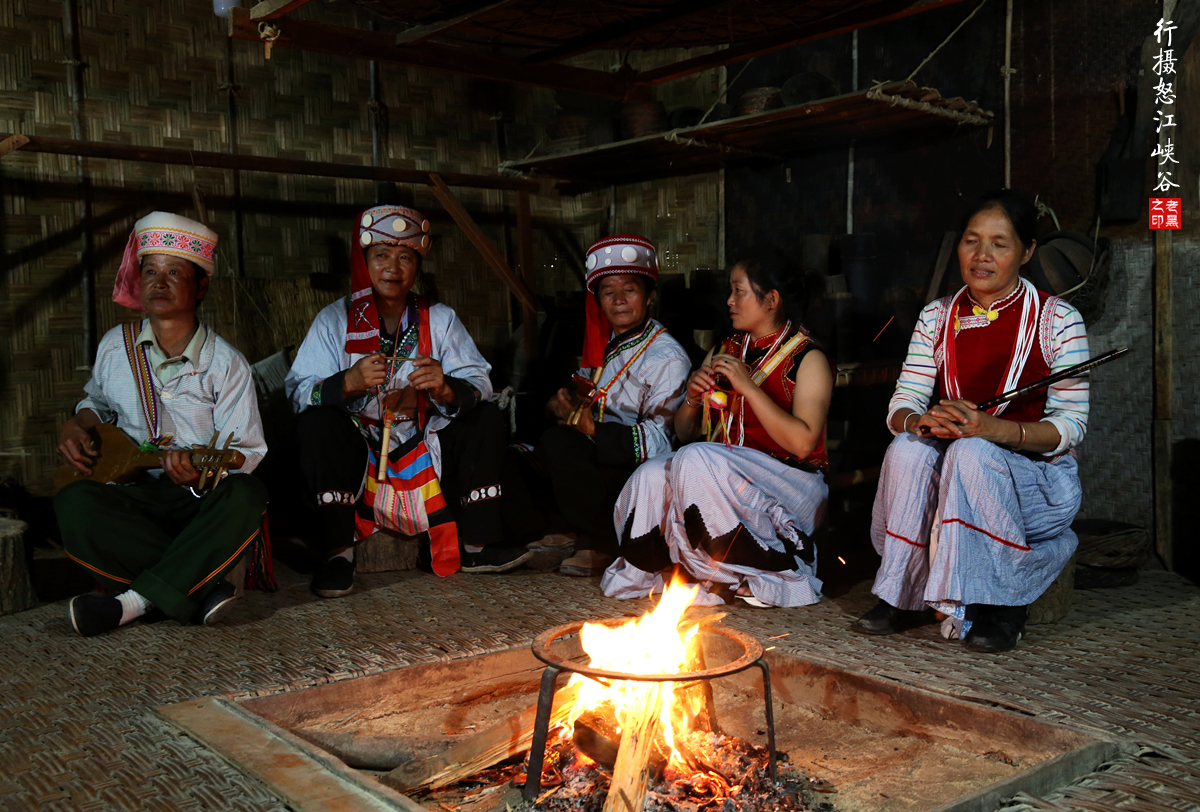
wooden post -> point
(16, 590)
(481, 242)
(525, 260)
(631, 773)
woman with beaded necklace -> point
(974, 509)
(734, 512)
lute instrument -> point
(584, 395)
(122, 460)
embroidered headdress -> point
(391, 225)
(619, 254)
(161, 232)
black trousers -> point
(333, 456)
(584, 489)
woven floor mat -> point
(77, 732)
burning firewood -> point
(631, 773)
(481, 751)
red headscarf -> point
(393, 225)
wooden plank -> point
(361, 44)
(300, 775)
(525, 259)
(432, 27)
(1040, 779)
(939, 267)
(480, 240)
(281, 166)
(485, 749)
(273, 9)
(1163, 393)
(15, 141)
(622, 31)
(838, 24)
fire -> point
(656, 643)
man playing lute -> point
(169, 382)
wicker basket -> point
(1111, 544)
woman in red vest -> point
(974, 509)
(736, 512)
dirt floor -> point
(77, 731)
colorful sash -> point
(1027, 334)
(601, 396)
(143, 378)
(736, 412)
(410, 499)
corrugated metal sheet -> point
(865, 115)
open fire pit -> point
(649, 699)
(691, 723)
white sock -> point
(347, 554)
(133, 606)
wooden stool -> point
(386, 551)
(1055, 602)
(16, 590)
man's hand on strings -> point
(75, 447)
(428, 377)
(367, 373)
(733, 369)
(178, 466)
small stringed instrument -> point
(585, 393)
(122, 461)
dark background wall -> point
(1071, 58)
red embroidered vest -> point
(983, 356)
(781, 386)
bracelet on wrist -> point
(688, 401)
(1021, 443)
(904, 425)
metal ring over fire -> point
(753, 652)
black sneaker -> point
(218, 603)
(495, 559)
(94, 614)
(335, 579)
(995, 628)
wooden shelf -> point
(767, 137)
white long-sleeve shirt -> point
(1062, 340)
(214, 393)
(323, 356)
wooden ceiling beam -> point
(252, 163)
(612, 35)
(437, 26)
(838, 24)
(361, 44)
(273, 9)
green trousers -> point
(158, 539)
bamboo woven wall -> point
(156, 76)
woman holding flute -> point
(383, 353)
(974, 509)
